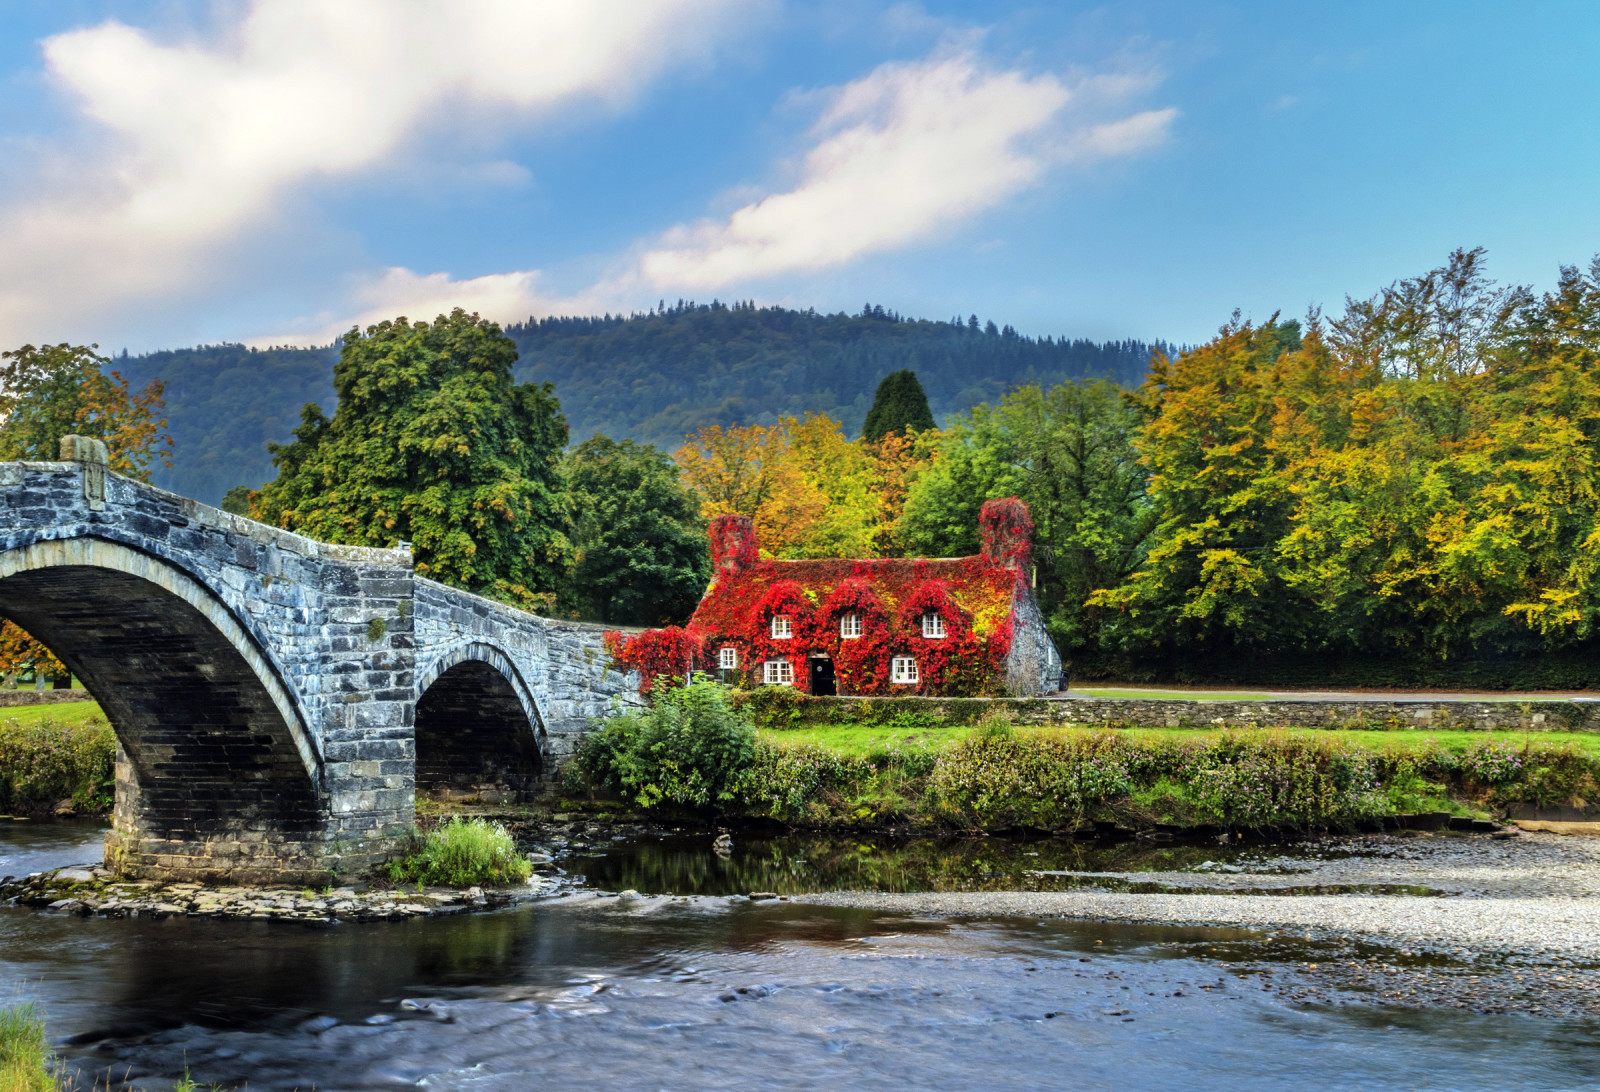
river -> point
(713, 992)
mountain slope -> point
(653, 377)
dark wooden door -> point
(822, 677)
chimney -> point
(733, 545)
(1006, 532)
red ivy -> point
(673, 653)
(1006, 532)
(890, 595)
(860, 664)
(784, 597)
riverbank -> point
(1510, 927)
(88, 892)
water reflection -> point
(792, 864)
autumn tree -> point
(433, 443)
(640, 542)
(21, 654)
(810, 491)
(51, 391)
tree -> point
(1068, 452)
(640, 541)
(1212, 578)
(21, 654)
(899, 406)
(433, 443)
(56, 390)
(810, 492)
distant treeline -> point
(658, 376)
(652, 377)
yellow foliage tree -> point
(809, 490)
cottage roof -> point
(984, 585)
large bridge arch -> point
(478, 728)
(216, 767)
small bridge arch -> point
(215, 765)
(478, 727)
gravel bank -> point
(1516, 931)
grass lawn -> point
(856, 739)
(68, 712)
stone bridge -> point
(277, 701)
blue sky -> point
(272, 171)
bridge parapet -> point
(263, 686)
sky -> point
(175, 172)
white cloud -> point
(203, 141)
(904, 154)
(901, 155)
(397, 291)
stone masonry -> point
(273, 697)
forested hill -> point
(655, 377)
(661, 375)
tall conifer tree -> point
(900, 405)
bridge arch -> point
(216, 768)
(478, 727)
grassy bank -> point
(699, 749)
(25, 1058)
(54, 753)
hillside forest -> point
(652, 377)
(1406, 493)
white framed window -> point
(933, 624)
(781, 630)
(778, 672)
(728, 658)
(849, 626)
(903, 669)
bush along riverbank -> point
(696, 749)
(57, 765)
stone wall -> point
(1567, 716)
(1554, 715)
(11, 699)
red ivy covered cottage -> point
(956, 626)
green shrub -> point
(462, 853)
(46, 761)
(780, 781)
(24, 1054)
(1044, 781)
(1266, 780)
(689, 748)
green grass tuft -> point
(25, 1056)
(462, 853)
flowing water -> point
(661, 993)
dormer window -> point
(781, 630)
(849, 626)
(933, 625)
(728, 659)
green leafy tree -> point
(1068, 452)
(640, 539)
(52, 391)
(434, 444)
(900, 405)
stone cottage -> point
(957, 626)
